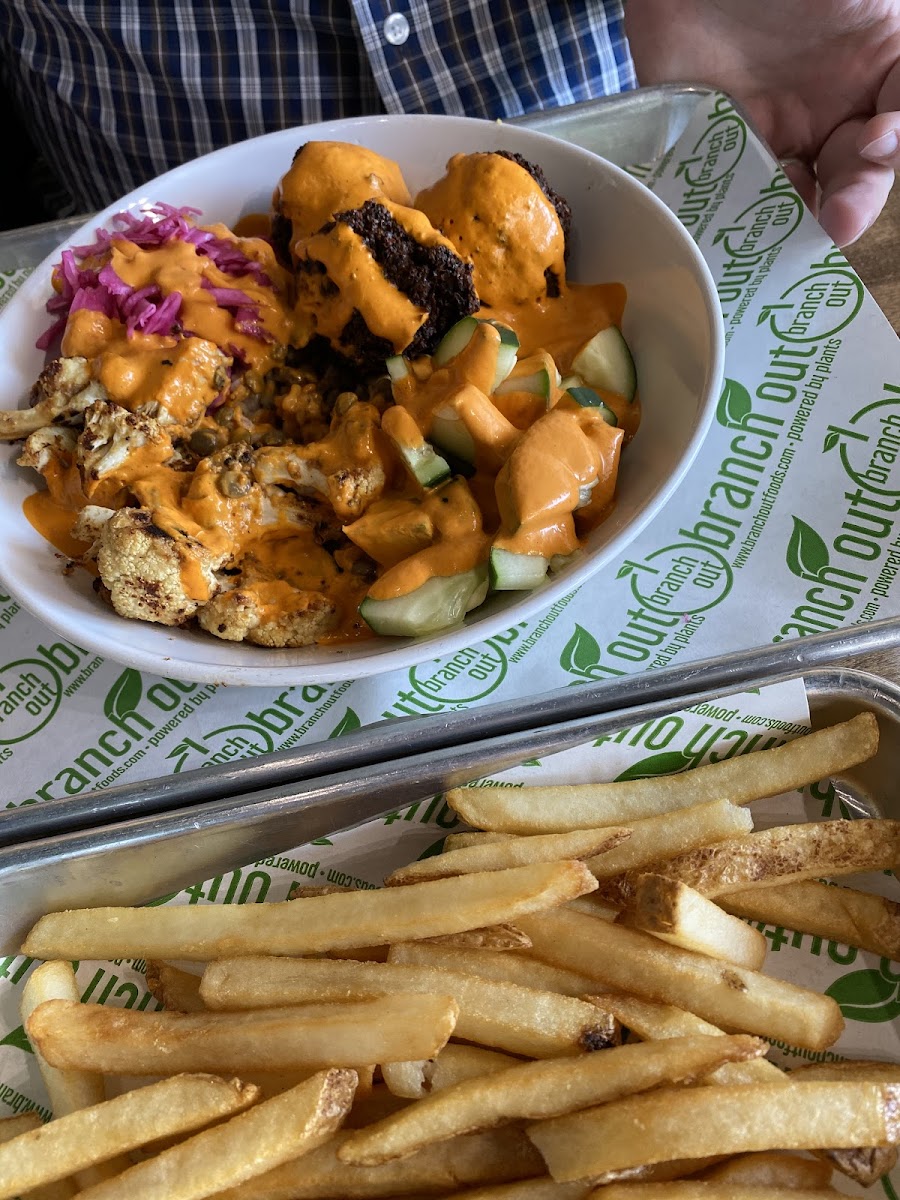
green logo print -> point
(807, 554)
(348, 722)
(734, 405)
(871, 995)
(30, 692)
(667, 762)
(124, 696)
(19, 1038)
(581, 655)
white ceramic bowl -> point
(621, 232)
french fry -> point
(504, 1016)
(784, 853)
(839, 914)
(313, 924)
(537, 1090)
(494, 937)
(176, 990)
(278, 1130)
(111, 1040)
(67, 1091)
(454, 1064)
(514, 852)
(769, 1169)
(729, 996)
(529, 1189)
(520, 969)
(865, 1164)
(11, 1127)
(374, 1106)
(676, 913)
(557, 809)
(499, 1156)
(96, 1134)
(674, 1122)
(651, 1021)
(689, 1189)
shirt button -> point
(396, 29)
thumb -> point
(879, 138)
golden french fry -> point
(676, 913)
(517, 1019)
(499, 1156)
(494, 937)
(205, 931)
(11, 1127)
(865, 1164)
(274, 1132)
(379, 1102)
(729, 996)
(534, 1091)
(529, 1189)
(690, 1189)
(749, 777)
(784, 853)
(515, 852)
(90, 1037)
(176, 990)
(769, 1169)
(839, 914)
(651, 1021)
(67, 1091)
(674, 1122)
(520, 969)
(455, 1063)
(96, 1134)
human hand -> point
(820, 79)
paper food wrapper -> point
(788, 528)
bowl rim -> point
(170, 653)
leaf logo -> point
(433, 850)
(625, 570)
(807, 554)
(734, 404)
(124, 696)
(667, 762)
(866, 996)
(767, 310)
(348, 722)
(832, 439)
(581, 654)
(19, 1038)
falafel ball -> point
(499, 210)
(379, 280)
(326, 178)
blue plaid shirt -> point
(118, 91)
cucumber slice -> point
(449, 432)
(571, 381)
(458, 337)
(454, 340)
(559, 561)
(536, 374)
(397, 367)
(605, 362)
(440, 602)
(428, 467)
(588, 398)
(511, 572)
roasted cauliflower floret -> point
(61, 393)
(347, 467)
(183, 380)
(117, 446)
(153, 574)
(89, 526)
(52, 446)
(271, 613)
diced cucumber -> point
(605, 362)
(571, 381)
(459, 335)
(559, 561)
(425, 464)
(511, 572)
(588, 398)
(536, 374)
(450, 433)
(397, 367)
(440, 602)
(454, 340)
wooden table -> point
(876, 258)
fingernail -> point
(882, 147)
